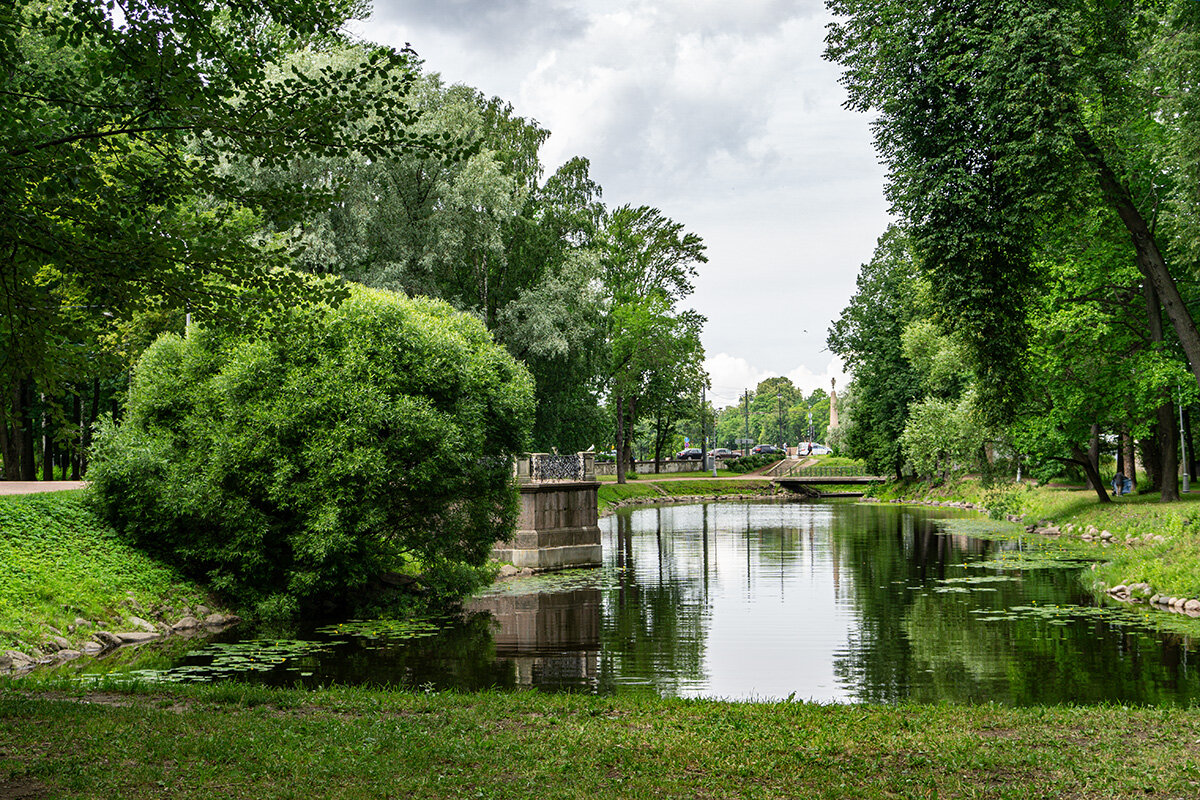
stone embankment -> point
(92, 638)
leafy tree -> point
(292, 470)
(647, 263)
(111, 133)
(483, 233)
(1094, 362)
(868, 336)
(942, 437)
(994, 117)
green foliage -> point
(868, 335)
(1004, 500)
(59, 561)
(942, 437)
(752, 462)
(115, 123)
(998, 119)
(647, 263)
(303, 465)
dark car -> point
(765, 449)
(690, 454)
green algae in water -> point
(564, 581)
(227, 660)
(383, 629)
(979, 579)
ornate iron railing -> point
(829, 472)
(545, 467)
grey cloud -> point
(502, 27)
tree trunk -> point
(1150, 261)
(76, 450)
(89, 424)
(1167, 468)
(25, 414)
(1152, 459)
(1094, 457)
(11, 458)
(47, 441)
(1129, 450)
(1189, 449)
(1093, 476)
(1168, 442)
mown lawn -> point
(241, 742)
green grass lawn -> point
(59, 562)
(233, 741)
(611, 494)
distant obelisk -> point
(833, 422)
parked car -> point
(765, 449)
(817, 449)
(721, 452)
(690, 454)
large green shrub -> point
(293, 469)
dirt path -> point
(31, 487)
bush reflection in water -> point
(824, 601)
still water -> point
(825, 601)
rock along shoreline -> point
(92, 638)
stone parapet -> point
(557, 527)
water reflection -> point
(552, 639)
(821, 601)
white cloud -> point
(732, 375)
(723, 115)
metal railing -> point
(829, 472)
(549, 467)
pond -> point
(825, 601)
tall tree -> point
(111, 130)
(991, 116)
(647, 263)
(868, 336)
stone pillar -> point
(833, 418)
(557, 527)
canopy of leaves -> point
(869, 336)
(295, 469)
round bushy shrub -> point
(295, 468)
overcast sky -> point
(723, 115)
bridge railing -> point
(549, 467)
(829, 472)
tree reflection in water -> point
(829, 601)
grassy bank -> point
(1153, 542)
(243, 742)
(58, 562)
(612, 495)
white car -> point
(817, 450)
